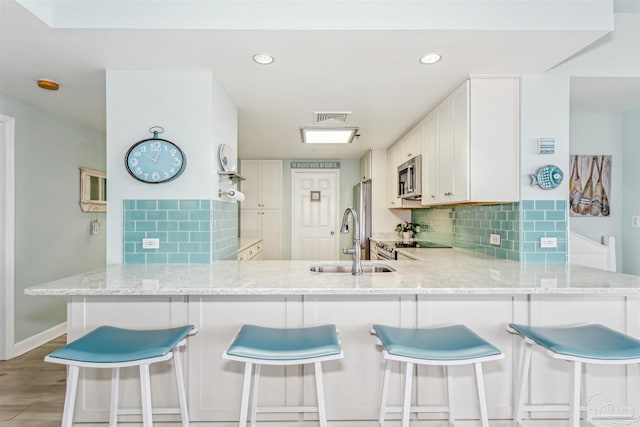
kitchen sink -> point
(346, 268)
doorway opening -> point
(7, 236)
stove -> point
(387, 250)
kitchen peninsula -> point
(449, 286)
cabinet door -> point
(411, 145)
(250, 223)
(365, 166)
(251, 185)
(271, 184)
(393, 201)
(430, 159)
(444, 153)
(271, 225)
(460, 144)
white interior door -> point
(314, 234)
(7, 236)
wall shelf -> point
(231, 176)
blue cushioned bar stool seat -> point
(443, 346)
(257, 346)
(113, 348)
(580, 345)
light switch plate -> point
(548, 242)
(494, 239)
(635, 221)
(150, 243)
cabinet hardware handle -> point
(333, 233)
(448, 193)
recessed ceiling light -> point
(48, 84)
(431, 58)
(263, 58)
(328, 135)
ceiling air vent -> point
(331, 116)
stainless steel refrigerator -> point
(362, 206)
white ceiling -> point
(372, 72)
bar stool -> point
(113, 348)
(593, 343)
(443, 346)
(257, 346)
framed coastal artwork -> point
(590, 186)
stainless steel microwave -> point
(410, 179)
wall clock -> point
(155, 160)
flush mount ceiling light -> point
(328, 135)
(48, 84)
(263, 58)
(431, 58)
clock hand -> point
(156, 159)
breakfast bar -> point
(449, 286)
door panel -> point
(314, 228)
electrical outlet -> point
(635, 221)
(150, 243)
(548, 242)
(494, 239)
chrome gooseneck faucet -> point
(356, 269)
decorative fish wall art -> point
(590, 199)
(547, 177)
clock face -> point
(155, 160)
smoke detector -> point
(331, 116)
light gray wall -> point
(349, 176)
(52, 233)
(601, 133)
(631, 189)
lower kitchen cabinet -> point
(251, 253)
(352, 384)
(265, 225)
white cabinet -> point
(265, 225)
(365, 166)
(261, 212)
(470, 144)
(393, 160)
(251, 253)
(263, 184)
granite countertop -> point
(444, 272)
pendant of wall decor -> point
(547, 177)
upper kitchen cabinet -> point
(263, 184)
(365, 166)
(470, 144)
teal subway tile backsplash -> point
(544, 218)
(520, 226)
(186, 229)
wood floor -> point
(32, 391)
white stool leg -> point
(70, 395)
(452, 417)
(254, 396)
(145, 393)
(574, 415)
(115, 389)
(482, 399)
(385, 389)
(246, 386)
(322, 414)
(525, 360)
(407, 394)
(182, 393)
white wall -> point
(196, 114)
(52, 233)
(631, 190)
(601, 133)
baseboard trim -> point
(38, 339)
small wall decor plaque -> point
(547, 177)
(315, 196)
